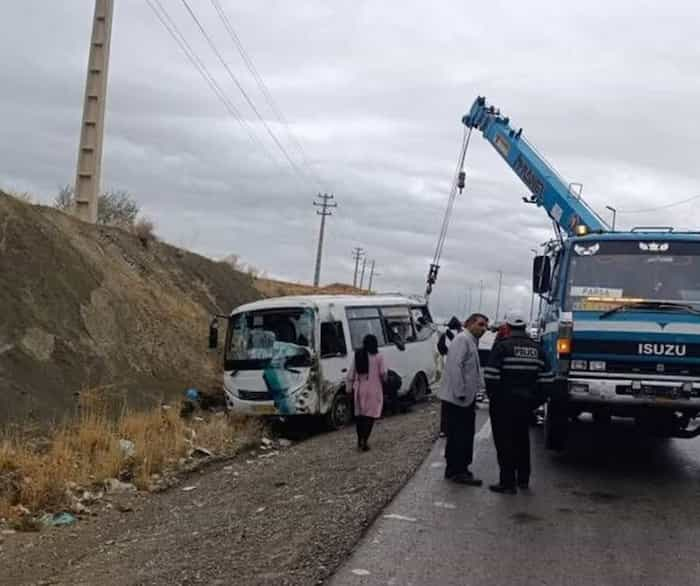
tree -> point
(64, 199)
(114, 208)
(117, 208)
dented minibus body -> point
(290, 355)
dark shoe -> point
(365, 448)
(524, 485)
(500, 489)
(466, 478)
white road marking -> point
(360, 572)
(400, 517)
(484, 432)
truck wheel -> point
(340, 413)
(555, 426)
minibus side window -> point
(332, 339)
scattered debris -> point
(124, 508)
(200, 451)
(188, 488)
(284, 443)
(128, 448)
(260, 510)
(58, 519)
(117, 486)
(444, 505)
(266, 442)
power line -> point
(663, 207)
(212, 45)
(172, 28)
(263, 87)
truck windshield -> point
(603, 275)
(258, 338)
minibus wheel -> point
(340, 413)
(419, 388)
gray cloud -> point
(375, 92)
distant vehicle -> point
(290, 355)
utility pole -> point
(498, 298)
(481, 294)
(87, 179)
(372, 274)
(357, 254)
(362, 276)
(323, 212)
(470, 300)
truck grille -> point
(653, 368)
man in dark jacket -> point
(516, 368)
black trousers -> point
(510, 424)
(459, 428)
(364, 426)
(443, 417)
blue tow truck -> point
(620, 319)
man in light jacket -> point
(454, 327)
(460, 383)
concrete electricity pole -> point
(87, 180)
(481, 294)
(357, 254)
(323, 212)
(362, 276)
(371, 276)
(498, 298)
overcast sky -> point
(374, 92)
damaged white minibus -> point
(290, 355)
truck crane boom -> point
(549, 191)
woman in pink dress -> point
(365, 377)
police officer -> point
(516, 367)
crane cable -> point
(457, 184)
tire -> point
(340, 413)
(555, 426)
(419, 388)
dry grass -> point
(145, 230)
(87, 452)
(273, 288)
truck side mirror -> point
(214, 334)
(541, 274)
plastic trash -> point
(58, 519)
(128, 448)
(192, 394)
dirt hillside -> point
(274, 288)
(84, 306)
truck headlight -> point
(597, 365)
(579, 364)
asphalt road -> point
(616, 508)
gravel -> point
(290, 514)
